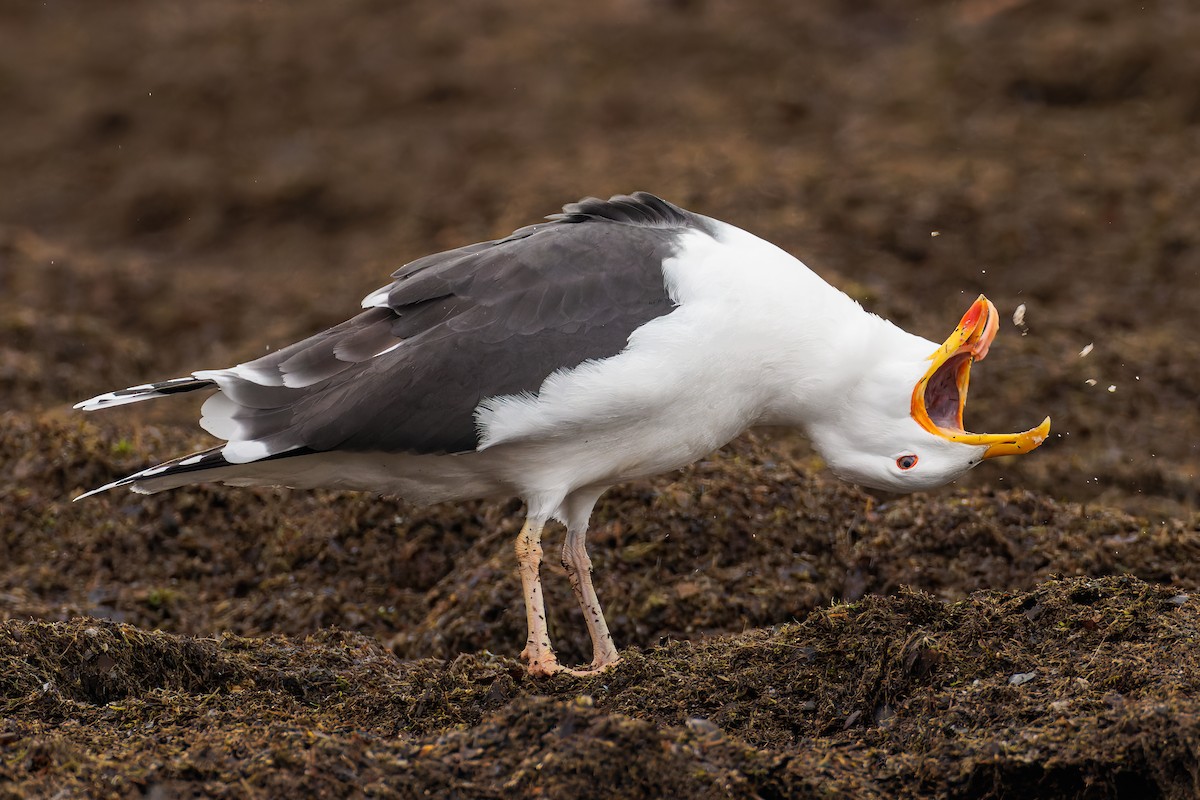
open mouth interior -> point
(946, 392)
(938, 399)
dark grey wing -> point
(495, 318)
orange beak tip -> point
(1021, 443)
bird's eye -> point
(906, 462)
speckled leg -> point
(537, 653)
(579, 569)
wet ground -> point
(184, 185)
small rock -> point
(1018, 678)
(702, 726)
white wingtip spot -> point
(134, 394)
(187, 462)
(377, 298)
(110, 399)
(246, 452)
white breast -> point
(687, 383)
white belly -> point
(549, 466)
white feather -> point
(245, 452)
(216, 417)
(388, 349)
(377, 298)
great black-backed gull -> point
(620, 339)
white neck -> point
(817, 346)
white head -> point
(900, 428)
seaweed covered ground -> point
(185, 185)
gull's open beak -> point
(941, 395)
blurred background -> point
(186, 184)
(194, 182)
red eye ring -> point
(906, 462)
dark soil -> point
(185, 184)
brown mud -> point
(183, 185)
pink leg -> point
(579, 569)
(537, 653)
